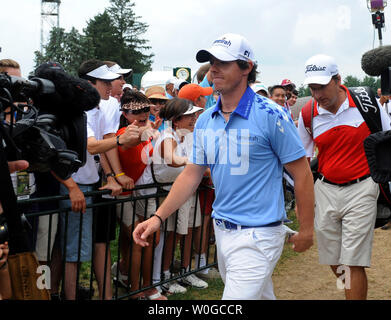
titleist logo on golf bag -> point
(364, 101)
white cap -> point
(228, 47)
(172, 80)
(103, 73)
(192, 109)
(320, 69)
(178, 82)
(117, 69)
(127, 85)
(258, 87)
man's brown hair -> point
(252, 76)
(109, 63)
(202, 71)
(8, 63)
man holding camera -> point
(43, 185)
(97, 73)
(345, 194)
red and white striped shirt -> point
(339, 138)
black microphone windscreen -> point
(376, 61)
(73, 95)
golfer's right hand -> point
(145, 229)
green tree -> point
(304, 91)
(69, 49)
(116, 35)
(101, 32)
(351, 81)
(371, 82)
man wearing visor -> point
(111, 112)
(101, 78)
(111, 106)
(245, 140)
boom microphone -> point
(377, 62)
(72, 95)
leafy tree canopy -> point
(69, 49)
(349, 81)
(116, 35)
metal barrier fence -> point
(51, 228)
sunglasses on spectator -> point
(158, 101)
(135, 111)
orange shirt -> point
(134, 160)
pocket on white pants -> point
(270, 242)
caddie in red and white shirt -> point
(345, 194)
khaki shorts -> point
(344, 222)
(43, 242)
(186, 214)
(151, 207)
(128, 215)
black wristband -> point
(111, 174)
(119, 144)
(3, 265)
(160, 218)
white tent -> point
(155, 78)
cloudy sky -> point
(283, 33)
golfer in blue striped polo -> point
(245, 139)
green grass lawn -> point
(288, 252)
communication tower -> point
(50, 17)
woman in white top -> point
(168, 161)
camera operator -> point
(42, 184)
(5, 281)
(12, 68)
